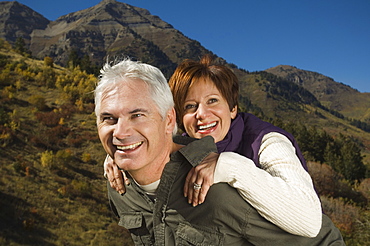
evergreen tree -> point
(352, 166)
(344, 156)
(20, 47)
(73, 59)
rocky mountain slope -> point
(18, 20)
(108, 29)
(334, 95)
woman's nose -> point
(202, 112)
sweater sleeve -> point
(281, 190)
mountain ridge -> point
(329, 92)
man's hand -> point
(199, 180)
(116, 177)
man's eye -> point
(109, 120)
(136, 115)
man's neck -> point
(154, 173)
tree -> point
(344, 156)
(352, 166)
(20, 47)
(73, 59)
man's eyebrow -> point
(105, 114)
(139, 110)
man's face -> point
(131, 128)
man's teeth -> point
(202, 127)
(131, 146)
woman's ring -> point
(197, 186)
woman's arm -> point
(281, 190)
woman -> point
(267, 167)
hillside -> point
(52, 189)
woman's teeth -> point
(203, 127)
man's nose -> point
(122, 129)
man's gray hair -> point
(128, 69)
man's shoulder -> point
(183, 140)
(195, 150)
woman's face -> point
(207, 111)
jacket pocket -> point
(135, 223)
(189, 235)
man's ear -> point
(171, 120)
(233, 112)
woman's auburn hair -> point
(190, 72)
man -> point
(136, 120)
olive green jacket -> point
(223, 219)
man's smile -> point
(130, 146)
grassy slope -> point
(67, 205)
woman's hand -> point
(199, 180)
(117, 178)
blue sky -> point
(331, 37)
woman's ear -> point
(234, 111)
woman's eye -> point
(212, 100)
(189, 106)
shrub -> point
(81, 188)
(327, 182)
(47, 159)
(38, 101)
(48, 61)
(364, 188)
(6, 136)
(342, 214)
(3, 60)
(86, 157)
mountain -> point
(334, 95)
(18, 20)
(112, 28)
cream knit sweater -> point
(281, 190)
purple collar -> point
(233, 138)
